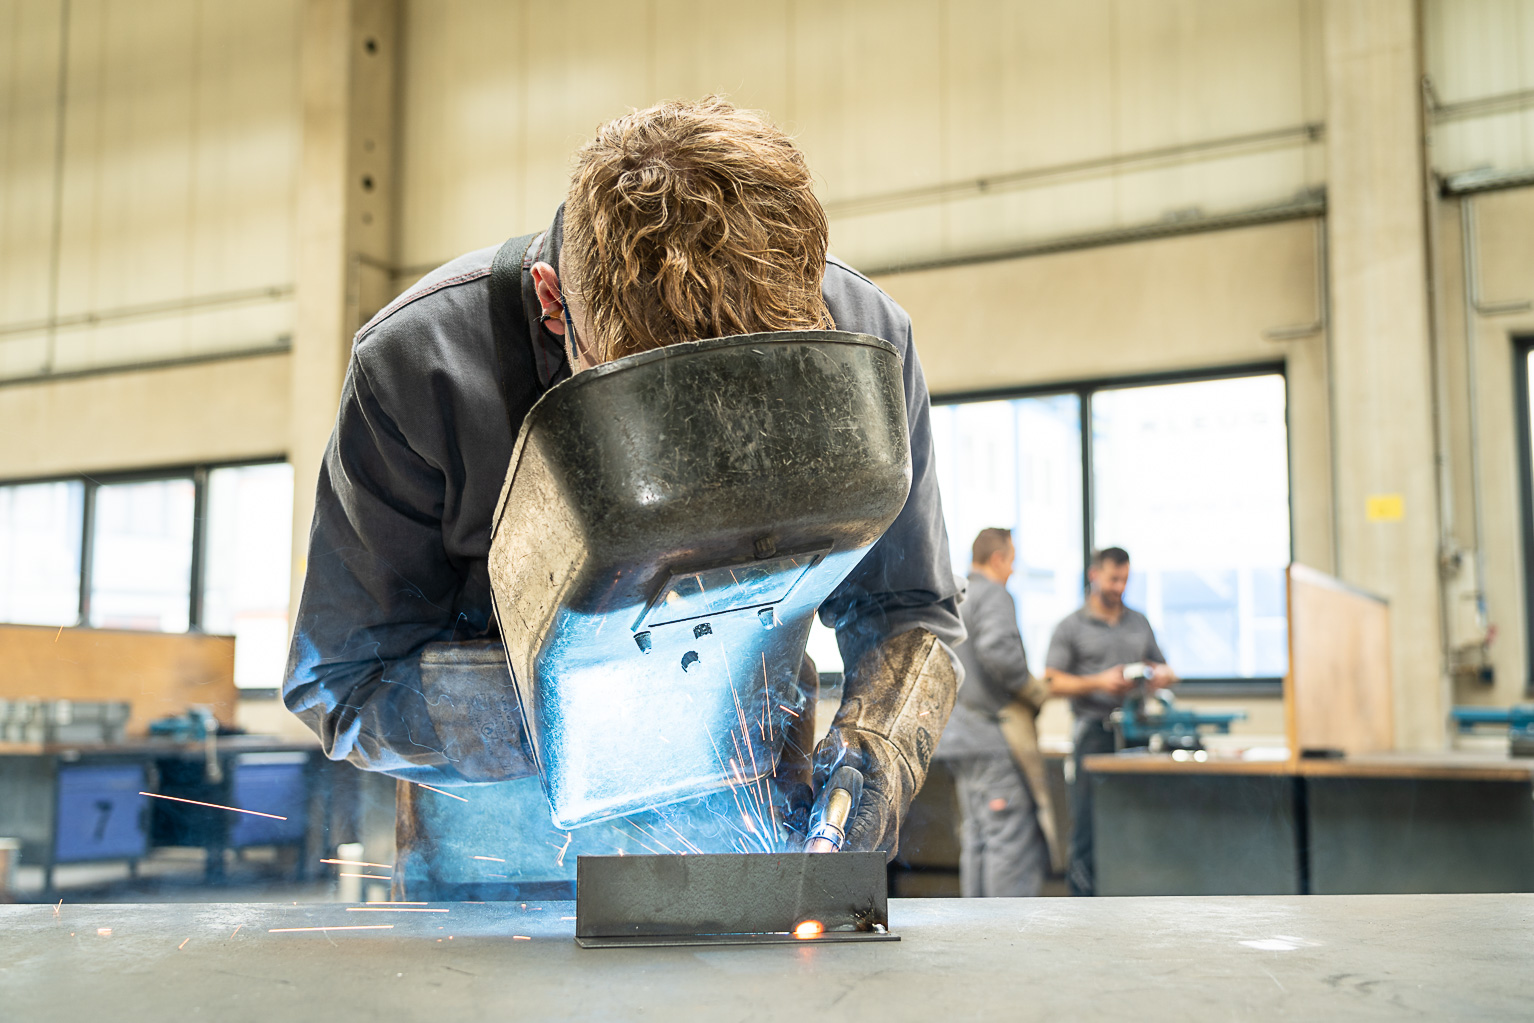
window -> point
(205, 548)
(1191, 477)
(1523, 382)
(141, 556)
(248, 537)
(40, 527)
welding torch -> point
(833, 809)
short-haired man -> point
(999, 776)
(683, 221)
(1087, 656)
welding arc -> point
(215, 806)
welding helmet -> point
(670, 522)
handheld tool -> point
(828, 821)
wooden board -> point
(159, 673)
(1407, 766)
(1337, 695)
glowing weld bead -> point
(809, 929)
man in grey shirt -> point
(1002, 846)
(1086, 661)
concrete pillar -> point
(348, 61)
(1381, 343)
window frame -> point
(1523, 391)
(1085, 389)
(197, 473)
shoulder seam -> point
(414, 296)
(833, 261)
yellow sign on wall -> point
(1385, 508)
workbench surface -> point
(1302, 958)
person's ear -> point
(546, 287)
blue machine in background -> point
(1517, 719)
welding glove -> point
(894, 707)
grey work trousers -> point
(1091, 737)
(1002, 852)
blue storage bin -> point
(101, 815)
(270, 783)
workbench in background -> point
(1447, 957)
(1369, 824)
(82, 803)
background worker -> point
(1005, 828)
(683, 221)
(1086, 660)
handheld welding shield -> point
(669, 524)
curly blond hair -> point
(688, 221)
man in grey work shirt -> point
(1087, 656)
(1002, 845)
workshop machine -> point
(1151, 718)
(1517, 719)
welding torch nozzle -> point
(834, 808)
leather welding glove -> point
(894, 707)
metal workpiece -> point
(730, 899)
(670, 522)
(1437, 957)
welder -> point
(683, 221)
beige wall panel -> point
(146, 418)
(1475, 49)
(179, 161)
(884, 98)
(1175, 303)
(738, 50)
(29, 51)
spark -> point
(809, 929)
(236, 930)
(376, 877)
(492, 859)
(57, 908)
(183, 944)
(347, 927)
(103, 932)
(56, 635)
(789, 709)
(360, 863)
(767, 697)
(559, 860)
(392, 909)
(520, 937)
(216, 806)
(567, 918)
(440, 792)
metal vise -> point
(669, 523)
(1151, 718)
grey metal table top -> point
(1303, 958)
